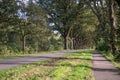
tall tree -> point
(112, 26)
(62, 14)
(8, 16)
(99, 8)
(31, 20)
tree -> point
(62, 15)
(31, 18)
(8, 17)
(81, 34)
(99, 8)
(105, 12)
(112, 26)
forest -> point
(31, 26)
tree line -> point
(23, 28)
(57, 24)
(108, 29)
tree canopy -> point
(36, 25)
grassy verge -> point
(23, 55)
(111, 58)
(74, 66)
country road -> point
(9, 63)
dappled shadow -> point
(63, 58)
(100, 60)
(103, 67)
(52, 63)
(96, 52)
(65, 65)
(97, 56)
(86, 51)
(109, 70)
(81, 52)
(116, 71)
(10, 57)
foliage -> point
(30, 26)
(4, 50)
(103, 46)
(68, 17)
(107, 29)
(23, 27)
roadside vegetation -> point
(74, 66)
(29, 26)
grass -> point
(10, 56)
(111, 58)
(74, 66)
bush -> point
(4, 50)
(31, 50)
(11, 49)
(15, 48)
(51, 47)
(27, 50)
(102, 45)
(117, 57)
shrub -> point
(15, 48)
(117, 57)
(4, 50)
(102, 45)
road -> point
(104, 69)
(9, 63)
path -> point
(103, 69)
(9, 63)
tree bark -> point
(112, 26)
(72, 43)
(65, 42)
(36, 44)
(23, 43)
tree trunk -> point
(72, 43)
(23, 43)
(36, 45)
(65, 42)
(112, 26)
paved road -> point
(9, 63)
(103, 69)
